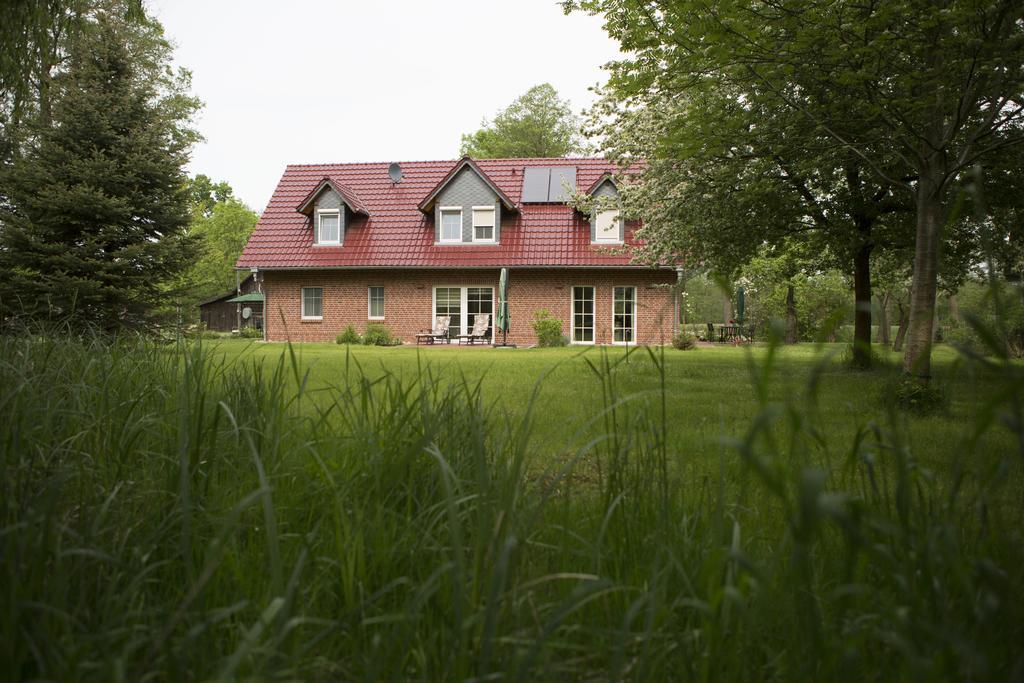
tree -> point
(536, 124)
(35, 39)
(918, 90)
(222, 235)
(94, 210)
(718, 186)
(205, 195)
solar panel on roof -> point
(562, 177)
(536, 180)
(543, 184)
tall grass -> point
(167, 514)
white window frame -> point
(302, 304)
(320, 213)
(369, 302)
(598, 239)
(493, 226)
(636, 306)
(463, 306)
(440, 228)
(572, 316)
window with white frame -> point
(483, 223)
(606, 226)
(451, 223)
(328, 227)
(312, 303)
(624, 315)
(375, 303)
(583, 315)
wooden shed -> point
(242, 307)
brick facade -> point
(409, 300)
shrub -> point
(378, 334)
(907, 394)
(684, 341)
(548, 329)
(250, 333)
(348, 336)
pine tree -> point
(93, 213)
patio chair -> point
(479, 331)
(438, 334)
(711, 332)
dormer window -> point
(608, 226)
(328, 227)
(483, 223)
(451, 223)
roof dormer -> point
(464, 164)
(466, 206)
(607, 226)
(326, 205)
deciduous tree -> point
(537, 124)
(919, 90)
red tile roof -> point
(397, 234)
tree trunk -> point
(901, 331)
(862, 307)
(883, 320)
(792, 330)
(954, 309)
(917, 360)
(726, 309)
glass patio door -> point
(464, 304)
(624, 315)
(583, 315)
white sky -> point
(307, 81)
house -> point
(240, 307)
(400, 244)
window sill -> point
(328, 244)
(490, 243)
(312, 320)
(376, 320)
(607, 243)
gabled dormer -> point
(329, 206)
(466, 206)
(607, 226)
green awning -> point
(247, 298)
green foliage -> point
(94, 214)
(222, 234)
(684, 341)
(250, 332)
(348, 336)
(536, 124)
(205, 195)
(912, 396)
(775, 115)
(991, 319)
(548, 329)
(821, 298)
(243, 520)
(378, 334)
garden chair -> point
(711, 332)
(479, 331)
(438, 334)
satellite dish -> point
(246, 313)
(395, 173)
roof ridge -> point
(443, 161)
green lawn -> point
(710, 390)
(262, 512)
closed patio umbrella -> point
(501, 318)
